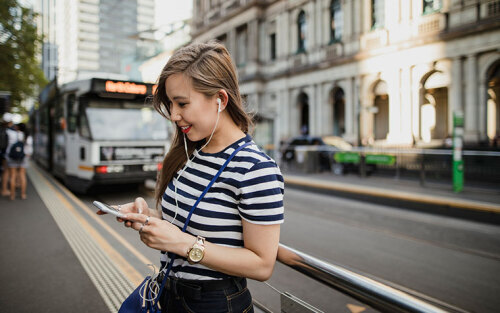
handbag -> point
(145, 298)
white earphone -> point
(219, 102)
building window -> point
(431, 6)
(272, 46)
(378, 13)
(336, 21)
(241, 46)
(301, 31)
(222, 39)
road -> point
(449, 259)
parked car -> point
(325, 146)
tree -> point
(20, 73)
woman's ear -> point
(223, 97)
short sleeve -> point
(262, 189)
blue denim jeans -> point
(188, 296)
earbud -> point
(219, 102)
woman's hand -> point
(138, 206)
(160, 234)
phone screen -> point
(107, 208)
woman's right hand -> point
(138, 206)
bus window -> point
(84, 126)
(126, 122)
(71, 112)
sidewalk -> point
(485, 201)
(39, 270)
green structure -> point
(458, 162)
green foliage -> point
(20, 43)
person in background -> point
(17, 163)
(4, 143)
(234, 232)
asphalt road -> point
(449, 259)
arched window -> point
(301, 31)
(431, 6)
(378, 13)
(336, 21)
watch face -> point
(195, 255)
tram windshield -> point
(126, 123)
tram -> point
(98, 131)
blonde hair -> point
(209, 68)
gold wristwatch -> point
(197, 251)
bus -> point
(98, 131)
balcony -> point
(431, 24)
(374, 39)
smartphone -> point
(108, 209)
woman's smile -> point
(185, 129)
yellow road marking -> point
(110, 230)
(130, 272)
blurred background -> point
(366, 105)
(380, 74)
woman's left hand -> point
(158, 234)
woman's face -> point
(192, 112)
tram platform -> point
(39, 270)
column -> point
(456, 94)
(393, 86)
(253, 41)
(313, 106)
(318, 90)
(350, 108)
(231, 41)
(406, 106)
(471, 105)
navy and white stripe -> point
(250, 187)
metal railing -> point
(374, 293)
(425, 165)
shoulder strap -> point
(212, 182)
(171, 255)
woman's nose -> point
(174, 113)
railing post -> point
(422, 169)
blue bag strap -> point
(169, 267)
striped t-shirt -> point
(250, 187)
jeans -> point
(188, 296)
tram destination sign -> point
(131, 153)
(121, 87)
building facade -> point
(381, 72)
(86, 38)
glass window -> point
(130, 122)
(302, 29)
(431, 6)
(71, 112)
(272, 46)
(241, 46)
(336, 21)
(378, 13)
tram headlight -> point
(105, 169)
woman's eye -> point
(182, 104)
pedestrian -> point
(18, 151)
(235, 228)
(4, 143)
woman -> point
(17, 163)
(235, 228)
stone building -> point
(382, 72)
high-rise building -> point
(85, 38)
